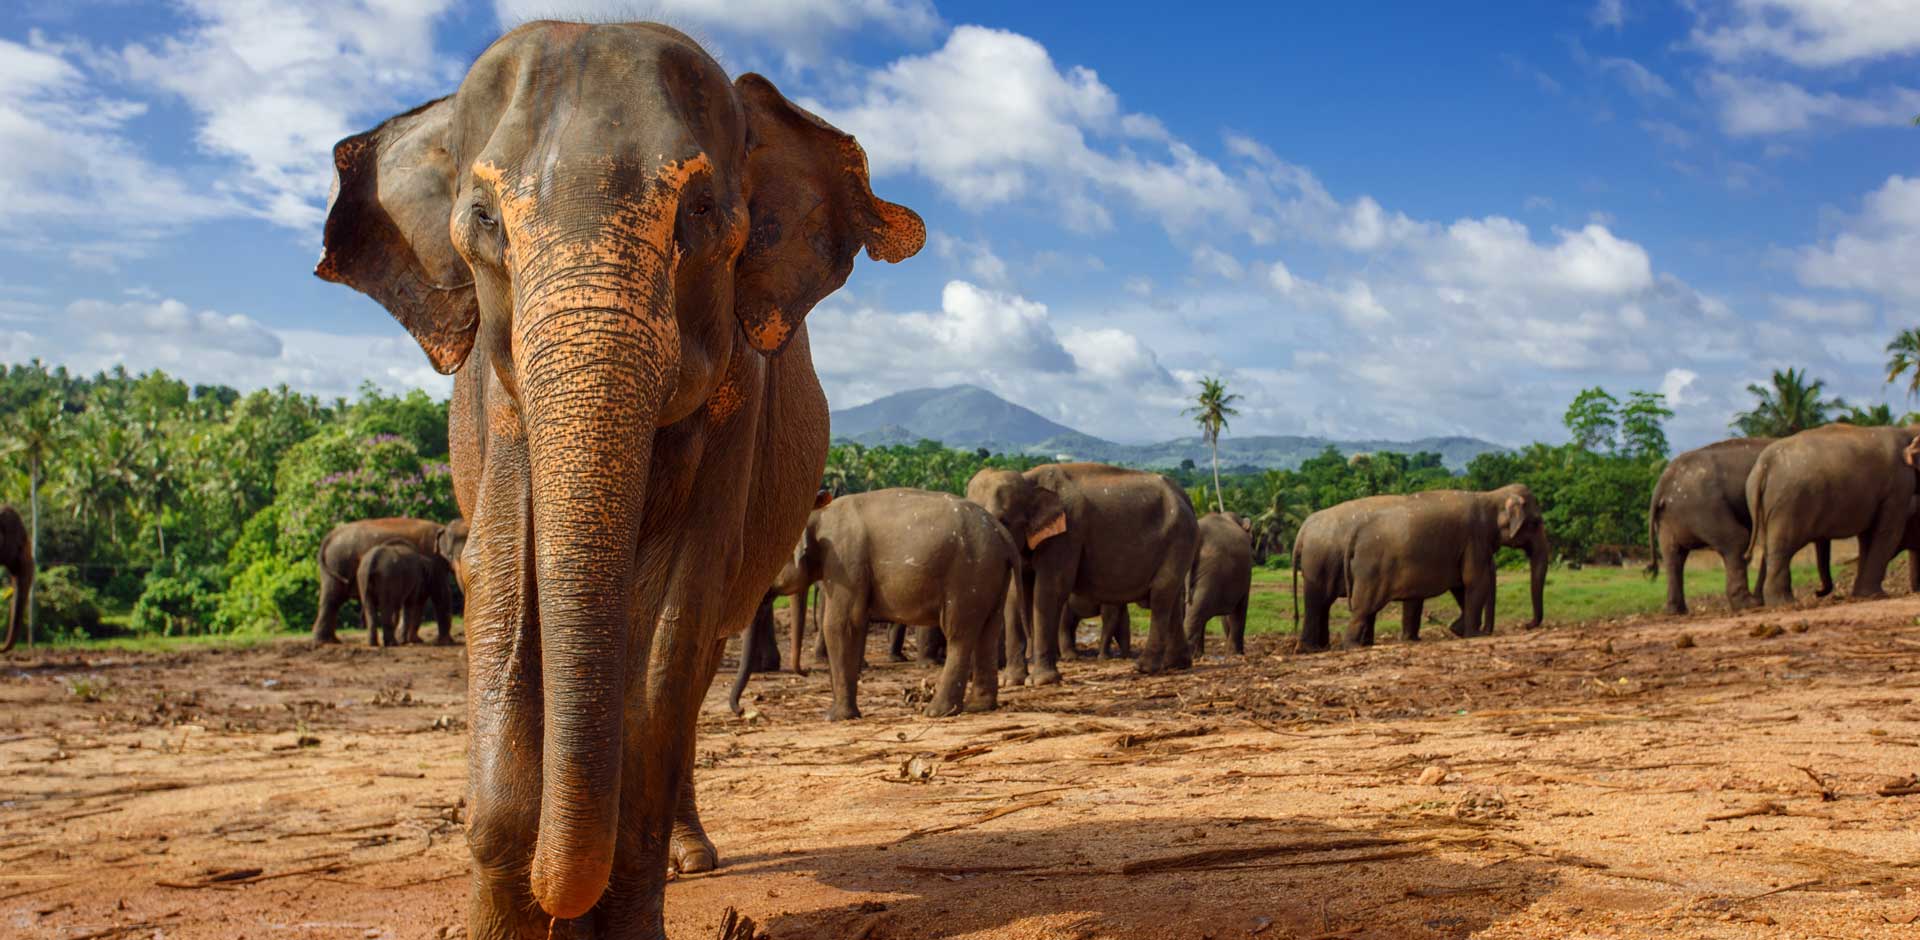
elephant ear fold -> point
(386, 232)
(810, 210)
(1513, 518)
(1912, 454)
(1048, 520)
(822, 498)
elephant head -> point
(801, 572)
(1522, 526)
(1032, 513)
(612, 220)
(451, 544)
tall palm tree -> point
(1211, 409)
(1903, 356)
(33, 433)
(1788, 405)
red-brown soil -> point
(1707, 777)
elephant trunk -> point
(799, 613)
(595, 362)
(22, 593)
(1538, 551)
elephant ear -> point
(822, 498)
(1048, 519)
(1912, 454)
(386, 233)
(810, 210)
(1513, 518)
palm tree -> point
(1903, 356)
(34, 432)
(1878, 416)
(1210, 410)
(1792, 404)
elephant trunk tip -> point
(567, 888)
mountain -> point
(967, 416)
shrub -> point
(180, 601)
(271, 594)
(63, 605)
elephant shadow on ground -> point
(1158, 878)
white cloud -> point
(1281, 278)
(275, 85)
(1212, 261)
(1875, 251)
(1635, 77)
(1752, 106)
(1497, 251)
(799, 26)
(1675, 385)
(1825, 313)
(210, 347)
(1808, 33)
(1608, 14)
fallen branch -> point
(1215, 857)
(984, 817)
(1768, 808)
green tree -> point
(1593, 419)
(1878, 416)
(1643, 432)
(1903, 356)
(1211, 409)
(35, 432)
(1788, 404)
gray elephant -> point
(344, 546)
(1112, 535)
(1222, 580)
(1382, 549)
(911, 557)
(1116, 632)
(1701, 502)
(1832, 482)
(16, 555)
(395, 583)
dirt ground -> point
(1703, 777)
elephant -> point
(613, 248)
(1701, 502)
(395, 583)
(912, 557)
(1116, 632)
(1110, 534)
(1381, 549)
(16, 555)
(1831, 482)
(1222, 580)
(347, 543)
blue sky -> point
(1374, 220)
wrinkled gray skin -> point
(1221, 581)
(1833, 482)
(1382, 549)
(1701, 502)
(1112, 535)
(395, 583)
(912, 557)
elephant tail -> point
(1757, 509)
(1293, 572)
(321, 558)
(1653, 537)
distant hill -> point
(967, 416)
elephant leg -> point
(1315, 629)
(690, 851)
(442, 610)
(1776, 569)
(1013, 633)
(1823, 560)
(1360, 628)
(845, 626)
(1459, 625)
(416, 611)
(1236, 628)
(983, 687)
(750, 641)
(950, 689)
(1410, 612)
(1166, 649)
(333, 593)
(1740, 595)
(1116, 629)
(1673, 564)
(1479, 583)
(896, 642)
(930, 645)
(1195, 628)
(1049, 605)
(818, 616)
(1877, 546)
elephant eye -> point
(485, 218)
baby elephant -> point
(395, 581)
(913, 557)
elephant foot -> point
(1151, 663)
(979, 704)
(443, 639)
(1458, 628)
(893, 657)
(326, 639)
(1045, 675)
(940, 709)
(691, 852)
(846, 713)
(1680, 610)
(1013, 678)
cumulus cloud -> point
(1751, 106)
(1806, 33)
(1825, 313)
(1875, 250)
(1675, 384)
(1608, 14)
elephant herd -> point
(394, 567)
(1773, 497)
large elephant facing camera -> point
(1833, 482)
(614, 247)
(1381, 549)
(1108, 534)
(346, 544)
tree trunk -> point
(1219, 502)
